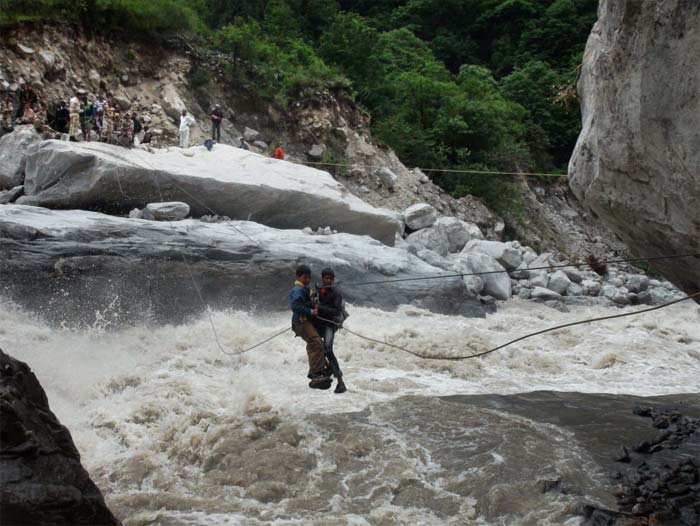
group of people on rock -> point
(102, 118)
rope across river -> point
(419, 354)
(438, 276)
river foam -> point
(175, 432)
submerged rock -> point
(226, 181)
(637, 161)
(43, 481)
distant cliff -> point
(637, 161)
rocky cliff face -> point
(42, 479)
(637, 161)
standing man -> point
(86, 118)
(62, 118)
(186, 122)
(216, 117)
(331, 314)
(303, 310)
(74, 112)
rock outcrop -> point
(226, 181)
(68, 265)
(42, 479)
(637, 161)
(14, 148)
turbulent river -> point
(176, 433)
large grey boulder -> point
(67, 265)
(431, 238)
(558, 282)
(506, 255)
(387, 178)
(420, 215)
(43, 481)
(14, 149)
(226, 181)
(172, 103)
(496, 283)
(11, 195)
(458, 232)
(637, 161)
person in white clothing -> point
(186, 122)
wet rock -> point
(43, 481)
(545, 294)
(169, 211)
(539, 280)
(507, 256)
(573, 273)
(431, 238)
(558, 282)
(636, 283)
(574, 289)
(521, 272)
(94, 248)
(11, 195)
(458, 232)
(434, 259)
(420, 216)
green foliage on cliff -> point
(449, 83)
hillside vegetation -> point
(478, 84)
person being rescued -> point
(303, 311)
(330, 317)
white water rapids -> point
(174, 432)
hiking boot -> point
(340, 387)
(321, 383)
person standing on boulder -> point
(62, 118)
(86, 118)
(216, 117)
(331, 314)
(186, 122)
(303, 310)
(279, 152)
(74, 111)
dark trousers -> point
(216, 130)
(328, 333)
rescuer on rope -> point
(331, 314)
(303, 310)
